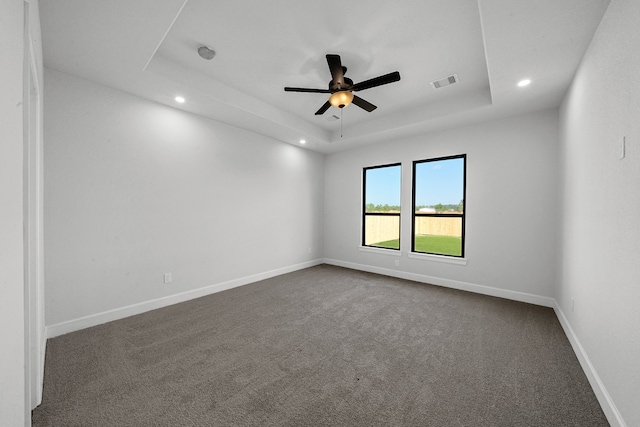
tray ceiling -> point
(149, 48)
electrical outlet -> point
(573, 305)
(167, 277)
(397, 263)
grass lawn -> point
(443, 245)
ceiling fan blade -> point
(324, 108)
(377, 81)
(305, 89)
(335, 66)
(365, 105)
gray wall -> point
(134, 189)
(511, 207)
(600, 245)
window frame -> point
(462, 215)
(365, 213)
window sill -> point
(392, 252)
(438, 258)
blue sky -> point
(440, 182)
(383, 186)
(436, 182)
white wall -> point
(135, 189)
(511, 205)
(600, 246)
(14, 408)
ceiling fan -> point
(341, 88)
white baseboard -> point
(608, 406)
(448, 283)
(62, 328)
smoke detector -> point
(206, 52)
(445, 81)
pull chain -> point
(341, 122)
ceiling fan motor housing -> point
(347, 84)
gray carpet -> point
(324, 346)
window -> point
(438, 206)
(381, 206)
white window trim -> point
(438, 258)
(392, 252)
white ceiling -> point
(149, 48)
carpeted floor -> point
(324, 346)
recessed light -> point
(523, 83)
(302, 141)
(179, 99)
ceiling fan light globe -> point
(341, 99)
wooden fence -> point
(381, 228)
(439, 225)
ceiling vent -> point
(332, 118)
(445, 81)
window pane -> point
(382, 192)
(439, 185)
(438, 235)
(438, 199)
(381, 210)
(382, 231)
